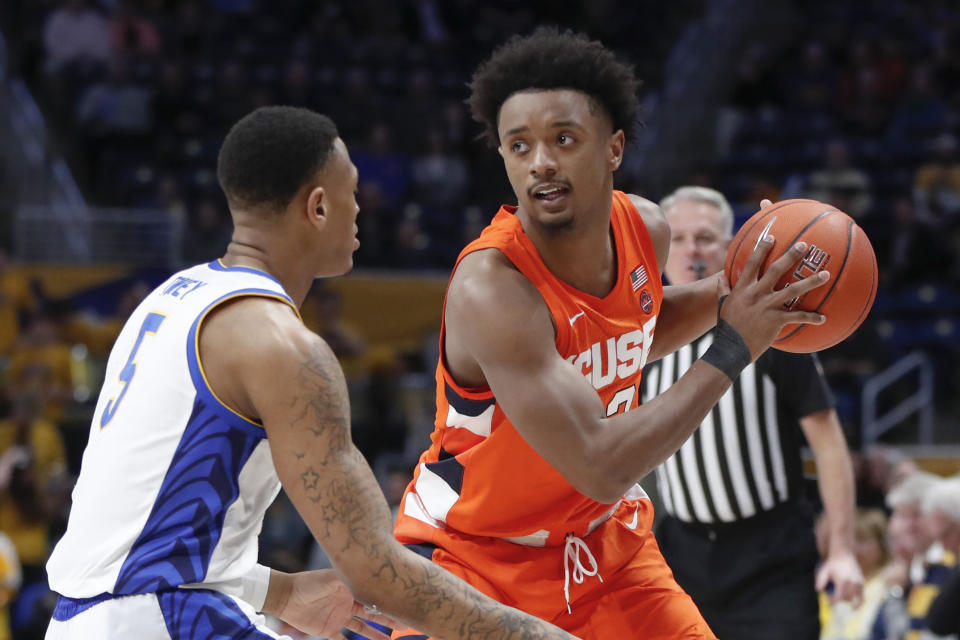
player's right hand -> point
(755, 310)
(319, 603)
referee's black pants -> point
(753, 579)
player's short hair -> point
(551, 59)
(270, 153)
(701, 194)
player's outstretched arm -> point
(295, 385)
(500, 332)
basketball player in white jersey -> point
(216, 395)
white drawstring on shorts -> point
(571, 551)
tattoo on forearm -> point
(349, 510)
(321, 400)
(310, 479)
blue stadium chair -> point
(903, 335)
(928, 299)
(883, 304)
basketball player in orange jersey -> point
(529, 489)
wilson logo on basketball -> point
(814, 260)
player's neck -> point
(244, 253)
(584, 257)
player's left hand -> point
(320, 604)
(842, 570)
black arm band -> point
(729, 352)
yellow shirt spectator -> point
(15, 297)
(41, 364)
(9, 582)
(48, 460)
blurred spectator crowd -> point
(864, 114)
(859, 106)
(142, 93)
(862, 110)
(907, 535)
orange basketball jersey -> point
(480, 477)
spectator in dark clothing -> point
(75, 33)
(115, 106)
(811, 88)
(132, 33)
(209, 233)
(296, 87)
(908, 250)
(921, 109)
(941, 506)
(936, 187)
(841, 184)
(439, 177)
(378, 161)
(944, 614)
(174, 108)
(376, 225)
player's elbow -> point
(597, 476)
(604, 487)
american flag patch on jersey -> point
(638, 277)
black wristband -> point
(729, 352)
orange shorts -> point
(637, 598)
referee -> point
(737, 531)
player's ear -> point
(316, 211)
(615, 148)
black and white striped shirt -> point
(745, 457)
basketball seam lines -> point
(792, 242)
(835, 278)
(867, 307)
(766, 212)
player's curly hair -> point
(270, 153)
(551, 59)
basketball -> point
(835, 243)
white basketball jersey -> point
(173, 484)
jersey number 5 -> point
(150, 325)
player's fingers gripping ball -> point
(835, 243)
